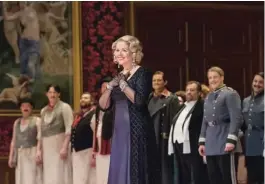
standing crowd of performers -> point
(141, 133)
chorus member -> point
(57, 118)
(82, 141)
(184, 136)
(25, 149)
(253, 113)
(220, 127)
(103, 121)
(162, 106)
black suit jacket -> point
(194, 126)
(82, 134)
(107, 122)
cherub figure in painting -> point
(17, 92)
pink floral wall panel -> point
(6, 127)
(102, 24)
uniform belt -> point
(212, 123)
(254, 127)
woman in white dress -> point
(57, 118)
(25, 149)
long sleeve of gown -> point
(105, 100)
(143, 88)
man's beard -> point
(85, 106)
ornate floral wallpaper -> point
(102, 24)
(6, 126)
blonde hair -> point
(135, 47)
(218, 70)
(205, 90)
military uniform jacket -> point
(253, 113)
(222, 119)
(162, 113)
(166, 111)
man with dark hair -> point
(253, 113)
(57, 118)
(184, 136)
(103, 121)
(82, 141)
(163, 105)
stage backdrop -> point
(102, 23)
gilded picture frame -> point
(73, 62)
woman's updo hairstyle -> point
(135, 47)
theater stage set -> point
(183, 39)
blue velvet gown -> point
(133, 152)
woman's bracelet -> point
(109, 87)
(123, 85)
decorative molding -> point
(77, 55)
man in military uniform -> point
(219, 133)
(253, 113)
(163, 105)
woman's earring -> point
(134, 60)
(134, 63)
(116, 61)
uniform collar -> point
(164, 93)
(220, 88)
(258, 95)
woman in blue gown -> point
(133, 151)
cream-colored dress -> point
(83, 173)
(56, 170)
(27, 171)
(102, 161)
